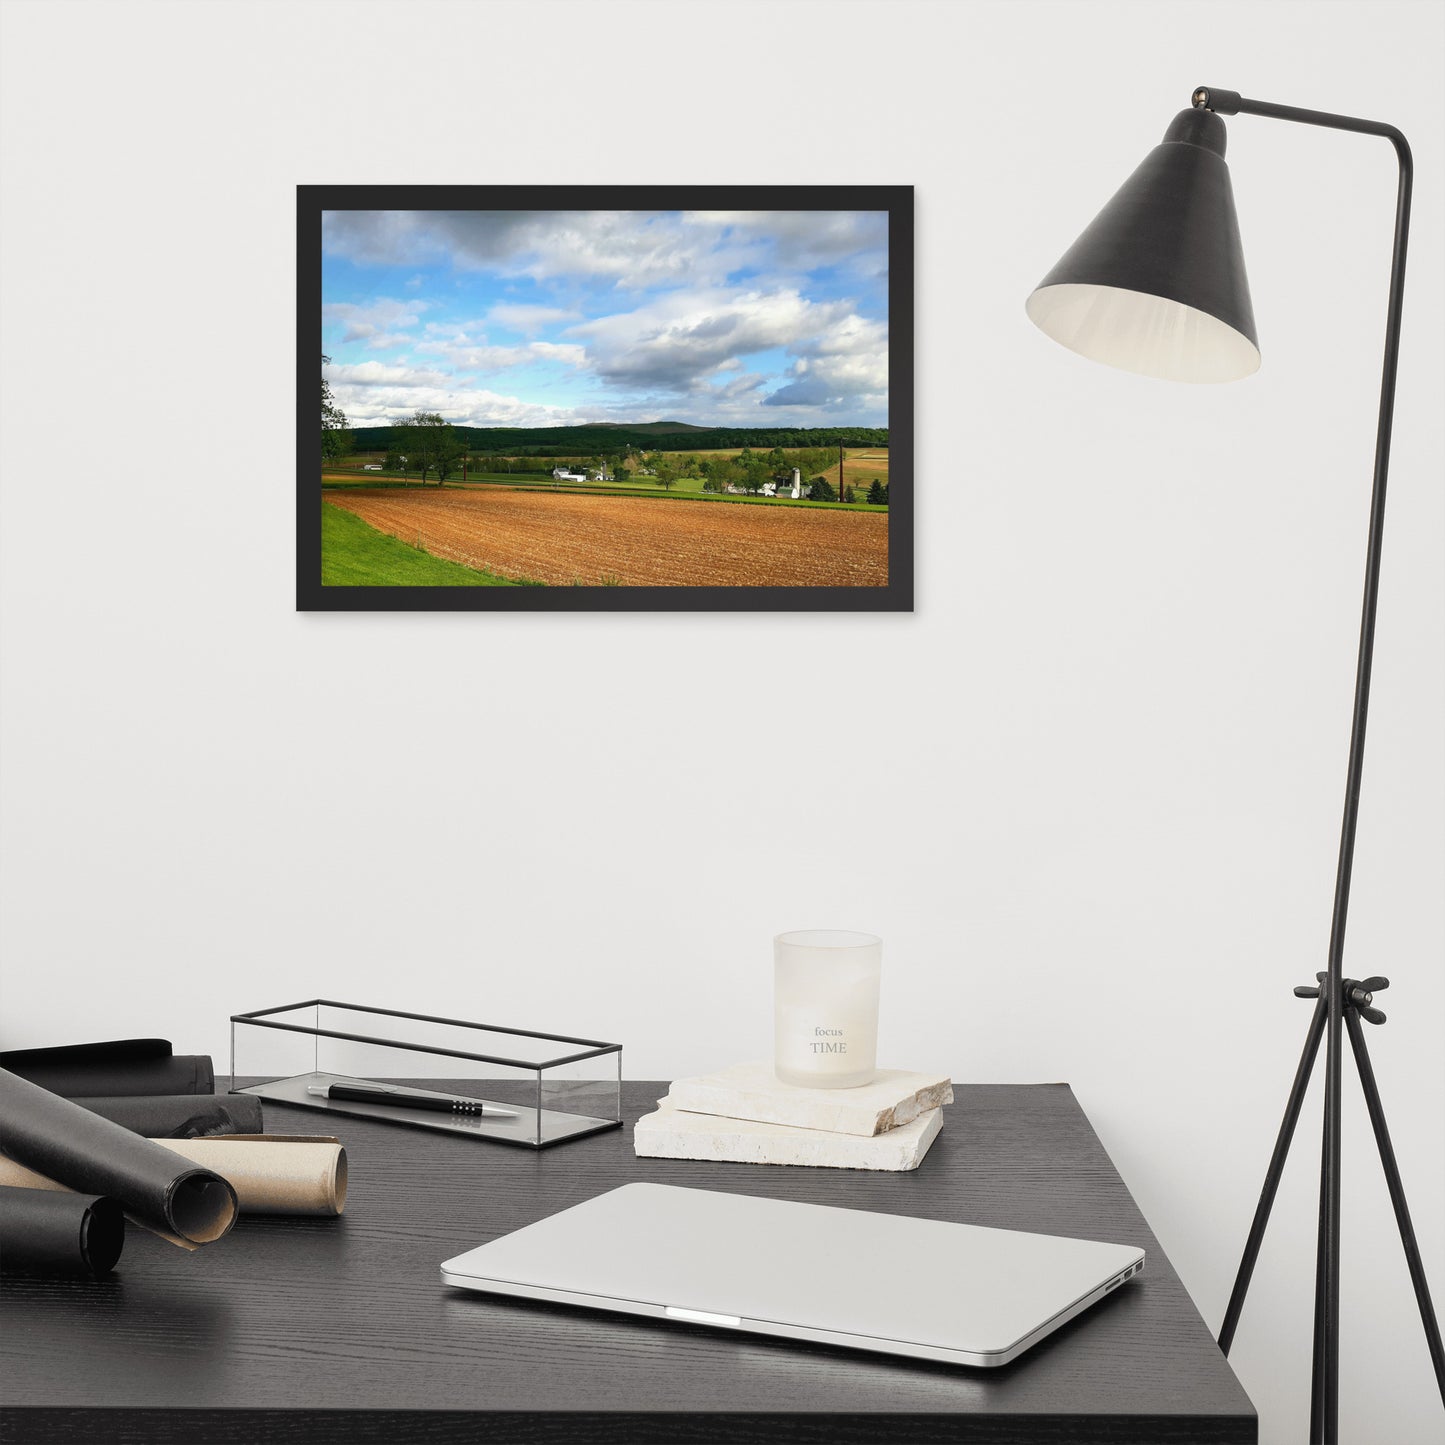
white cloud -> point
(685, 336)
(631, 249)
(802, 240)
(528, 320)
(376, 373)
(854, 335)
(837, 387)
(468, 350)
(738, 387)
(686, 340)
(378, 323)
(844, 365)
(385, 405)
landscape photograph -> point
(674, 400)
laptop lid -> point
(884, 1282)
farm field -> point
(333, 481)
(860, 467)
(562, 538)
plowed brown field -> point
(634, 541)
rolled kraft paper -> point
(188, 1205)
(181, 1116)
(45, 1233)
(275, 1173)
(117, 1066)
(271, 1173)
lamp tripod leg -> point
(1330, 1178)
(1272, 1176)
(1317, 1367)
(1397, 1196)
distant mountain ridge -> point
(658, 428)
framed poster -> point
(605, 398)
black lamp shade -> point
(1156, 285)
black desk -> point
(339, 1330)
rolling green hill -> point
(652, 428)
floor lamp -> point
(1157, 285)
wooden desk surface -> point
(339, 1330)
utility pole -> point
(840, 471)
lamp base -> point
(1356, 1002)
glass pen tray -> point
(554, 1087)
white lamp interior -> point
(1146, 334)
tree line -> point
(623, 441)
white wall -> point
(1097, 826)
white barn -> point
(793, 489)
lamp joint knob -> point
(1221, 102)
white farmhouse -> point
(561, 474)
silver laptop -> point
(919, 1287)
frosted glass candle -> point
(825, 1008)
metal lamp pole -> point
(1342, 1002)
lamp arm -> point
(1327, 1315)
(1231, 102)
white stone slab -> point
(752, 1091)
(673, 1133)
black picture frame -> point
(895, 596)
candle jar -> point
(825, 1007)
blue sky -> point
(552, 318)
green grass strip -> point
(354, 554)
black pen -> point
(408, 1099)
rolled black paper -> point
(181, 1116)
(118, 1066)
(92, 1155)
(45, 1232)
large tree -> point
(756, 470)
(334, 437)
(718, 473)
(430, 444)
